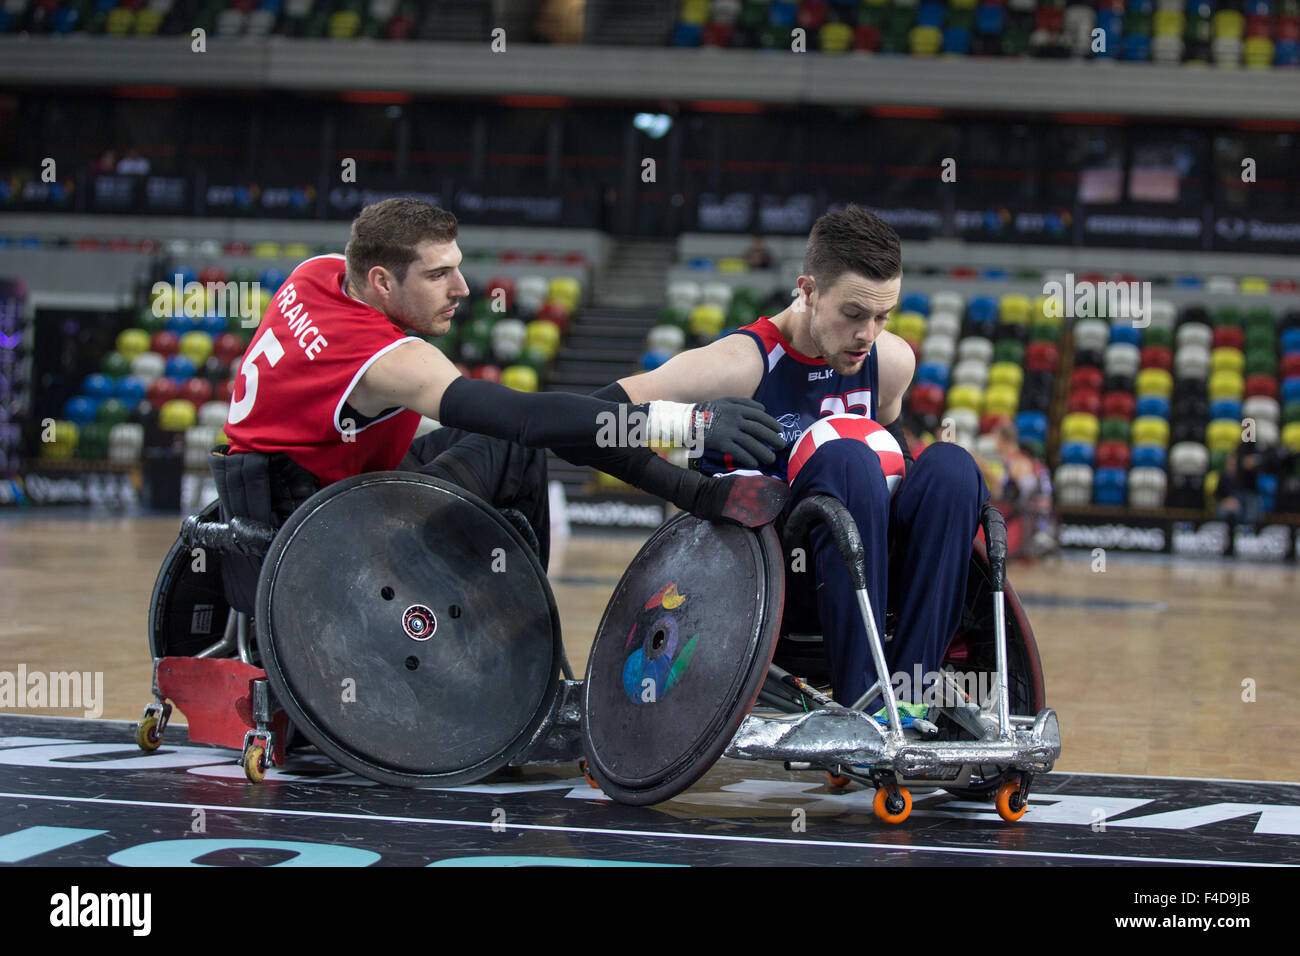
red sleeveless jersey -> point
(310, 350)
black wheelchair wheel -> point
(188, 609)
(432, 614)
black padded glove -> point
(750, 500)
(740, 428)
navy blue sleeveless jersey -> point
(797, 390)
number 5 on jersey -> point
(268, 345)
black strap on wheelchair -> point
(839, 521)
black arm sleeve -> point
(895, 428)
(569, 424)
(535, 420)
(637, 466)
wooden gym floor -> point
(1147, 663)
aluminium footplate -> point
(833, 736)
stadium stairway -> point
(634, 274)
(602, 347)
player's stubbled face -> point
(847, 318)
(433, 287)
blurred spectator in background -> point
(1020, 477)
(1025, 489)
(757, 256)
(1237, 495)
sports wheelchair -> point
(401, 625)
(408, 631)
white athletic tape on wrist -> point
(669, 423)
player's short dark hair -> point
(852, 240)
(386, 234)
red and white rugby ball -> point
(856, 427)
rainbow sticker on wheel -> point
(652, 669)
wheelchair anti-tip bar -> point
(236, 536)
(995, 541)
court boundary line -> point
(99, 721)
(605, 831)
(1064, 773)
(1156, 776)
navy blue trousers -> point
(918, 546)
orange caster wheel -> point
(839, 781)
(1010, 807)
(582, 765)
(892, 809)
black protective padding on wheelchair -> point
(408, 630)
(260, 487)
(680, 656)
(244, 488)
(830, 511)
(188, 609)
(995, 536)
